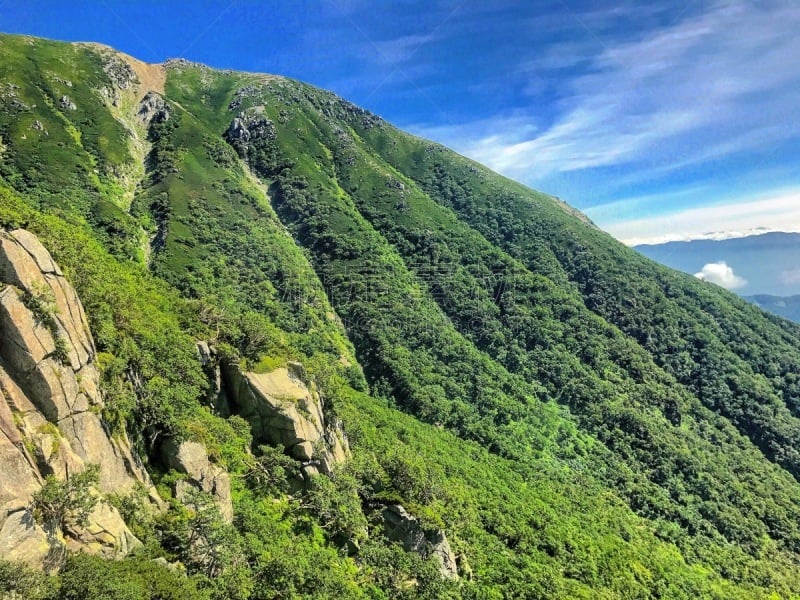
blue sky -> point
(660, 120)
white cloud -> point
(779, 211)
(398, 50)
(790, 277)
(708, 86)
(721, 274)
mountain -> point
(767, 262)
(784, 306)
(351, 363)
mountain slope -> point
(578, 420)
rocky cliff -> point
(50, 412)
(403, 527)
(285, 409)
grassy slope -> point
(614, 387)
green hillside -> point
(580, 421)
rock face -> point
(284, 409)
(251, 134)
(406, 529)
(49, 407)
(191, 458)
(152, 108)
(238, 131)
(67, 104)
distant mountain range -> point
(784, 306)
(766, 267)
(769, 263)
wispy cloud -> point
(397, 51)
(790, 277)
(702, 90)
(736, 65)
(778, 212)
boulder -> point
(191, 458)
(66, 103)
(283, 409)
(23, 540)
(217, 398)
(153, 108)
(238, 131)
(105, 534)
(404, 528)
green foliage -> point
(396, 574)
(87, 577)
(580, 422)
(272, 472)
(91, 578)
(336, 504)
(60, 504)
(288, 554)
(199, 537)
(20, 581)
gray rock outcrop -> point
(191, 458)
(153, 108)
(66, 103)
(252, 134)
(49, 408)
(238, 131)
(286, 410)
(404, 528)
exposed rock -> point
(286, 410)
(153, 108)
(121, 76)
(404, 528)
(238, 131)
(191, 458)
(49, 407)
(66, 104)
(106, 534)
(251, 134)
(204, 353)
(23, 540)
(181, 63)
(394, 183)
(119, 72)
(217, 396)
(248, 91)
(33, 247)
(20, 477)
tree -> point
(61, 504)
